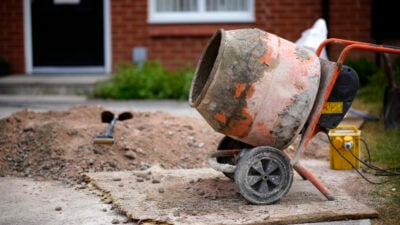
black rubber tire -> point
(264, 175)
(228, 143)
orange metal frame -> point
(312, 129)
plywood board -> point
(204, 196)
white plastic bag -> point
(314, 36)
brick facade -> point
(286, 18)
(350, 19)
(179, 45)
(12, 34)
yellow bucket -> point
(344, 144)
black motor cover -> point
(340, 99)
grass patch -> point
(384, 146)
(148, 81)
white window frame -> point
(201, 16)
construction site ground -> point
(156, 172)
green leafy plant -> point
(364, 67)
(372, 79)
(375, 79)
(147, 81)
(375, 90)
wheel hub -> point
(264, 175)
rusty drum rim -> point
(204, 76)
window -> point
(201, 11)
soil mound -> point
(59, 144)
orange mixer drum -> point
(255, 86)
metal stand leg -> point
(307, 175)
(304, 172)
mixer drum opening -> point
(205, 68)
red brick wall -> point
(287, 18)
(12, 34)
(178, 46)
(350, 19)
(128, 27)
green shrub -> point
(376, 80)
(372, 79)
(148, 81)
(375, 90)
(364, 68)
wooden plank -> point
(204, 196)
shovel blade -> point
(107, 116)
(125, 116)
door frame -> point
(30, 69)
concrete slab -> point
(346, 222)
(205, 196)
(77, 84)
(13, 103)
(25, 201)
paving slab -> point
(26, 201)
(205, 196)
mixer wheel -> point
(228, 143)
(264, 175)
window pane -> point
(227, 5)
(176, 5)
(201, 11)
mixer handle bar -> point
(351, 45)
(313, 128)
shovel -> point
(109, 117)
(391, 100)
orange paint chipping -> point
(239, 89)
(241, 127)
(267, 57)
(221, 117)
(250, 91)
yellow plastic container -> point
(345, 142)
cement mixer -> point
(262, 91)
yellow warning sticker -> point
(333, 108)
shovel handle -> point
(111, 126)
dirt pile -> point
(59, 145)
